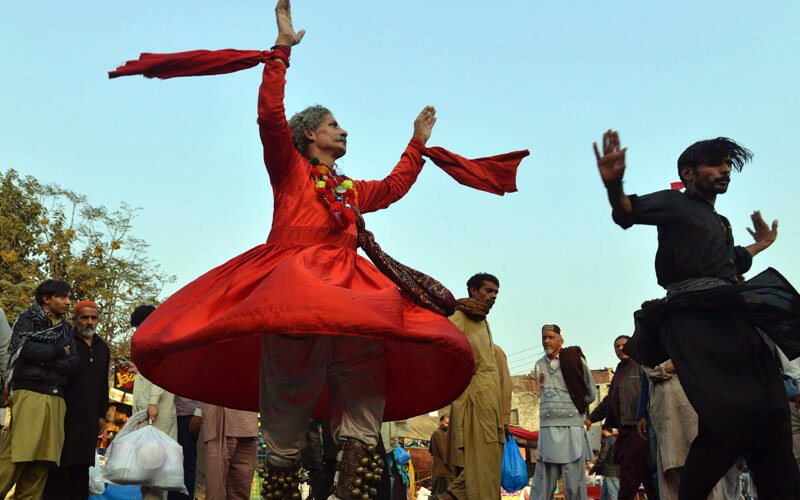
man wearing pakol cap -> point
(476, 435)
(87, 402)
(43, 357)
(566, 388)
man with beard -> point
(619, 410)
(566, 388)
(43, 357)
(87, 403)
(706, 325)
(441, 475)
(476, 435)
(334, 336)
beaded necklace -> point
(337, 191)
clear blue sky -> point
(548, 76)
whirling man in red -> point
(334, 336)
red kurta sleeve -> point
(276, 137)
(375, 195)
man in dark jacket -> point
(441, 473)
(606, 467)
(43, 357)
(87, 403)
(618, 409)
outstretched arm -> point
(612, 169)
(276, 136)
(375, 195)
(763, 235)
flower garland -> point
(337, 191)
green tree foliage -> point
(50, 232)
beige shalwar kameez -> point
(33, 443)
(475, 436)
(675, 426)
(146, 393)
(231, 439)
(505, 383)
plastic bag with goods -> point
(142, 454)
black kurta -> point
(725, 368)
(87, 402)
(694, 241)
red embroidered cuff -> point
(281, 52)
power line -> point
(532, 359)
(524, 350)
(523, 363)
(519, 369)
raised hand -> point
(423, 125)
(612, 163)
(286, 33)
(761, 232)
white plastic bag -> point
(96, 484)
(145, 456)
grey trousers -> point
(545, 479)
(295, 369)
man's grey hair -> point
(308, 119)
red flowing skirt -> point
(204, 341)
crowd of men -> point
(56, 379)
(336, 344)
(687, 438)
(59, 398)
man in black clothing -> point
(43, 355)
(87, 403)
(319, 459)
(726, 369)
